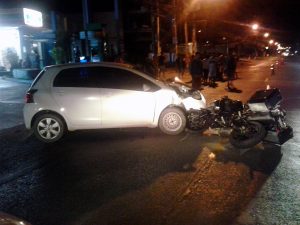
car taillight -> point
(29, 96)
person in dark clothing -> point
(162, 65)
(196, 70)
(230, 69)
(180, 65)
(205, 65)
(212, 68)
(77, 54)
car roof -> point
(90, 64)
(53, 70)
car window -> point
(38, 77)
(116, 78)
(76, 77)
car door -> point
(127, 99)
(76, 92)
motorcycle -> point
(260, 119)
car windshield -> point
(145, 69)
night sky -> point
(64, 6)
(281, 16)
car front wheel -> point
(172, 121)
(48, 128)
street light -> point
(227, 47)
(254, 26)
(271, 42)
(266, 35)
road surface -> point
(141, 176)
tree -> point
(58, 54)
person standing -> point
(212, 68)
(77, 54)
(205, 70)
(162, 65)
(180, 64)
(230, 70)
(196, 70)
(221, 66)
(35, 59)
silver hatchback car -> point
(105, 95)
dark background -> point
(277, 16)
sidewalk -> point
(12, 79)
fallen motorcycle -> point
(260, 119)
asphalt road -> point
(11, 102)
(140, 176)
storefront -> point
(26, 38)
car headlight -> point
(196, 95)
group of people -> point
(206, 69)
(32, 60)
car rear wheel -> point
(48, 128)
(172, 121)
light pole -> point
(174, 21)
(227, 47)
(255, 27)
(86, 20)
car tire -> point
(239, 140)
(172, 121)
(49, 128)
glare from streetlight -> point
(266, 35)
(271, 41)
(255, 26)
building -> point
(28, 33)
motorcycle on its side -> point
(260, 119)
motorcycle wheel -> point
(199, 121)
(248, 137)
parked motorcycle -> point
(260, 119)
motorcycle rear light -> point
(29, 96)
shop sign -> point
(32, 17)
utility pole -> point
(157, 29)
(119, 33)
(86, 21)
(186, 37)
(155, 35)
(194, 38)
(175, 38)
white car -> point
(72, 97)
